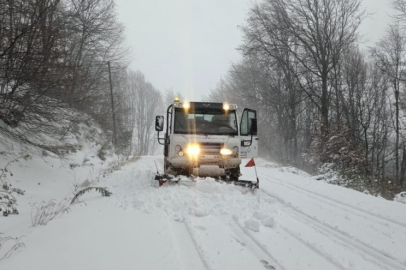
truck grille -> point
(210, 148)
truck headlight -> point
(226, 152)
(193, 149)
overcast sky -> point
(187, 45)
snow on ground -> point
(401, 197)
(292, 222)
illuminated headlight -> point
(226, 106)
(186, 105)
(193, 149)
(226, 152)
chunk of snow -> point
(259, 215)
(269, 222)
(198, 211)
(252, 225)
(266, 220)
(138, 204)
(178, 217)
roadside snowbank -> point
(401, 197)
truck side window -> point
(181, 122)
(251, 115)
(244, 123)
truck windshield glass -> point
(204, 121)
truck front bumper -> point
(206, 165)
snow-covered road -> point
(293, 222)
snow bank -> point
(401, 197)
(45, 177)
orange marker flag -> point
(250, 163)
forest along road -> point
(292, 222)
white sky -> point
(187, 45)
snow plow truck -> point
(206, 139)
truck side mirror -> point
(159, 123)
(253, 127)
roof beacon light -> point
(176, 99)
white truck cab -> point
(205, 139)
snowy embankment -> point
(293, 222)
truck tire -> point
(234, 173)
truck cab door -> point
(247, 149)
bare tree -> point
(146, 103)
(390, 55)
(318, 33)
(321, 99)
(53, 54)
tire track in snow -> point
(359, 213)
(262, 248)
(313, 248)
(180, 233)
(352, 207)
(344, 238)
(197, 246)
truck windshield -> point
(203, 121)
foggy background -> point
(187, 45)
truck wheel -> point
(235, 173)
(167, 167)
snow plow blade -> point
(163, 178)
(246, 184)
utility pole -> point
(112, 107)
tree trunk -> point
(403, 168)
(324, 108)
(397, 135)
